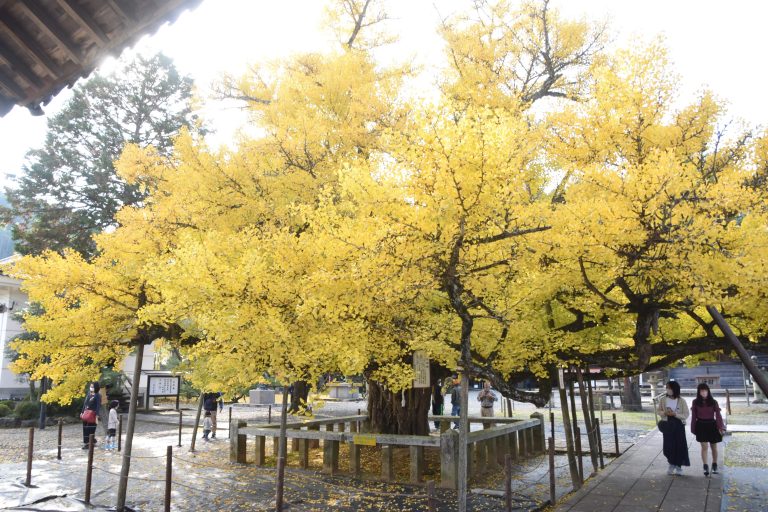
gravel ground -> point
(206, 480)
(746, 449)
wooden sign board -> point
(364, 440)
(163, 386)
(421, 369)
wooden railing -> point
(487, 447)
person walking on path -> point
(707, 424)
(674, 412)
(91, 409)
(456, 398)
(112, 425)
(210, 405)
(207, 424)
(486, 397)
(438, 401)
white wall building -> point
(12, 301)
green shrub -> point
(11, 404)
(27, 410)
(4, 410)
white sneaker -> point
(671, 470)
(678, 470)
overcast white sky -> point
(715, 44)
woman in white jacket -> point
(674, 412)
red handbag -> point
(88, 416)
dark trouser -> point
(455, 411)
(437, 410)
(675, 444)
(88, 429)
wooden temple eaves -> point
(46, 45)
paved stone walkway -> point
(638, 482)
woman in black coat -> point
(92, 403)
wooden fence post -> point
(58, 448)
(387, 463)
(522, 443)
(579, 454)
(449, 456)
(512, 441)
(237, 442)
(481, 457)
(727, 401)
(168, 478)
(508, 483)
(599, 443)
(552, 479)
(330, 453)
(431, 506)
(354, 460)
(616, 435)
(417, 463)
(89, 471)
(260, 450)
(30, 453)
(303, 453)
(552, 425)
(539, 444)
(314, 443)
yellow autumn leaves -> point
(551, 182)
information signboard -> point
(421, 369)
(163, 385)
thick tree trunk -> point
(630, 400)
(299, 396)
(388, 415)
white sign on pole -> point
(163, 386)
(421, 369)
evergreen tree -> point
(68, 189)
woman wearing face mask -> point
(91, 409)
(707, 424)
(674, 411)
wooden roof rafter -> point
(46, 45)
(85, 20)
(121, 10)
(19, 67)
(48, 25)
(24, 41)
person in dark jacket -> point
(92, 403)
(210, 404)
(438, 401)
(707, 424)
(456, 398)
